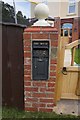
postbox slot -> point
(40, 53)
(40, 60)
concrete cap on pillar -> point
(41, 13)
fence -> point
(12, 66)
(68, 75)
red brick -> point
(51, 84)
(37, 83)
(26, 78)
(27, 43)
(52, 67)
(38, 95)
(42, 89)
(27, 54)
(46, 100)
(31, 99)
(40, 29)
(48, 29)
(27, 61)
(28, 104)
(45, 109)
(26, 36)
(46, 89)
(27, 67)
(38, 105)
(50, 105)
(52, 73)
(50, 90)
(40, 36)
(31, 89)
(33, 29)
(57, 23)
(54, 43)
(32, 109)
(76, 28)
(27, 83)
(28, 94)
(54, 36)
(50, 95)
(27, 72)
(27, 48)
(52, 79)
(54, 61)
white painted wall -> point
(59, 8)
(64, 10)
(54, 8)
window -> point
(72, 6)
(66, 26)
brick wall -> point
(39, 95)
(75, 29)
(57, 24)
(67, 20)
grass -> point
(77, 56)
(15, 113)
(0, 112)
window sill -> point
(71, 14)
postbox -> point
(40, 60)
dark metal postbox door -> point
(40, 71)
(40, 63)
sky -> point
(21, 5)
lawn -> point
(15, 113)
(77, 56)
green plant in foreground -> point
(77, 56)
(15, 113)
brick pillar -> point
(57, 24)
(75, 29)
(39, 95)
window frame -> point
(71, 3)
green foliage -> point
(15, 113)
(77, 56)
(22, 19)
(8, 15)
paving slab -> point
(68, 107)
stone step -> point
(68, 107)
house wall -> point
(64, 10)
(54, 8)
(59, 8)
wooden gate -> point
(68, 75)
(12, 66)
